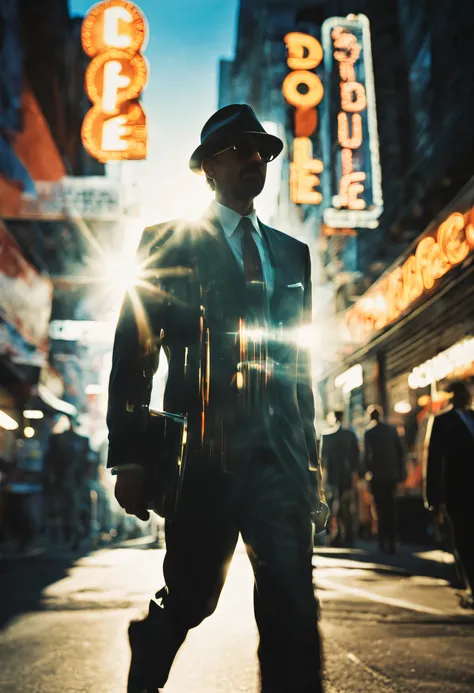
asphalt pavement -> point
(390, 623)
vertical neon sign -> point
(304, 54)
(113, 35)
(353, 189)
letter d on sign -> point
(297, 44)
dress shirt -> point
(229, 220)
(467, 416)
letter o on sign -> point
(312, 97)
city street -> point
(236, 269)
(389, 624)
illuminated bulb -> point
(29, 432)
(33, 414)
(402, 407)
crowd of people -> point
(448, 472)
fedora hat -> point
(226, 126)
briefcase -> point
(165, 461)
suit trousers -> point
(462, 517)
(260, 503)
(384, 493)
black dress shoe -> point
(140, 676)
(154, 642)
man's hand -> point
(130, 492)
(440, 512)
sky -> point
(186, 40)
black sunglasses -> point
(244, 149)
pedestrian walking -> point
(450, 476)
(229, 297)
(340, 460)
(384, 460)
(66, 468)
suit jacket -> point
(450, 464)
(339, 456)
(384, 453)
(66, 461)
(193, 310)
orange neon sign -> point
(113, 33)
(304, 54)
(435, 255)
(349, 122)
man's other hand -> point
(440, 512)
(130, 492)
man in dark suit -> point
(66, 466)
(450, 474)
(340, 460)
(227, 298)
(385, 462)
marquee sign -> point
(353, 187)
(113, 34)
(435, 254)
(304, 54)
(456, 358)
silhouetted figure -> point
(228, 296)
(66, 466)
(450, 474)
(340, 459)
(385, 461)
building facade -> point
(393, 309)
(56, 209)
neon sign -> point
(353, 186)
(113, 33)
(304, 54)
(350, 379)
(444, 364)
(435, 255)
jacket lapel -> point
(222, 270)
(282, 265)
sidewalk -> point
(40, 547)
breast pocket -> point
(288, 303)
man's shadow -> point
(23, 580)
(409, 561)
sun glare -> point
(121, 272)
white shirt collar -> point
(229, 219)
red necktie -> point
(253, 270)
(253, 351)
(252, 261)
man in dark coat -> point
(385, 462)
(66, 467)
(340, 460)
(450, 474)
(227, 298)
